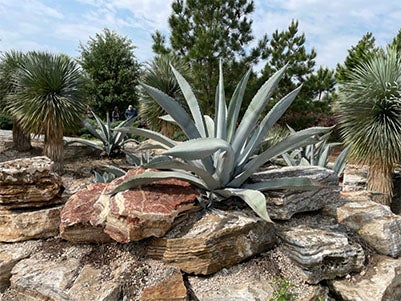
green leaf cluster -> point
(220, 154)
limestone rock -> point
(19, 225)
(381, 281)
(322, 253)
(204, 244)
(149, 210)
(169, 289)
(10, 255)
(374, 222)
(355, 178)
(284, 204)
(25, 170)
(43, 192)
(77, 213)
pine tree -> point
(112, 71)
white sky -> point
(331, 27)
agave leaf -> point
(98, 177)
(198, 148)
(293, 141)
(254, 110)
(152, 145)
(209, 126)
(150, 135)
(288, 159)
(191, 101)
(168, 163)
(268, 121)
(304, 162)
(118, 172)
(284, 183)
(235, 105)
(85, 142)
(150, 177)
(255, 199)
(221, 107)
(339, 164)
(103, 128)
(92, 130)
(134, 158)
(175, 110)
(225, 166)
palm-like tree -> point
(10, 61)
(369, 110)
(47, 99)
(158, 74)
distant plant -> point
(317, 154)
(218, 156)
(283, 290)
(113, 141)
(110, 172)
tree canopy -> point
(112, 71)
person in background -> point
(115, 115)
(130, 112)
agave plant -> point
(317, 154)
(218, 156)
(112, 140)
(110, 172)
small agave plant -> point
(316, 154)
(219, 156)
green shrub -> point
(219, 156)
(283, 290)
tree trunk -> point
(54, 147)
(21, 139)
(380, 181)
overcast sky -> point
(331, 27)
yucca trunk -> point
(21, 139)
(54, 147)
(380, 179)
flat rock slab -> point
(146, 211)
(19, 225)
(355, 178)
(322, 253)
(381, 281)
(75, 225)
(283, 204)
(374, 222)
(210, 241)
(172, 287)
(25, 170)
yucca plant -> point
(317, 154)
(218, 156)
(369, 109)
(112, 140)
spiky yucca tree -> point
(369, 110)
(9, 65)
(158, 74)
(47, 99)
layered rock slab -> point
(210, 241)
(373, 222)
(171, 288)
(381, 281)
(283, 204)
(76, 216)
(322, 252)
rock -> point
(172, 288)
(149, 210)
(322, 253)
(77, 213)
(206, 243)
(382, 281)
(25, 170)
(355, 178)
(19, 225)
(374, 222)
(284, 204)
(43, 192)
(10, 255)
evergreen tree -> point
(112, 71)
(363, 51)
(202, 31)
(397, 42)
